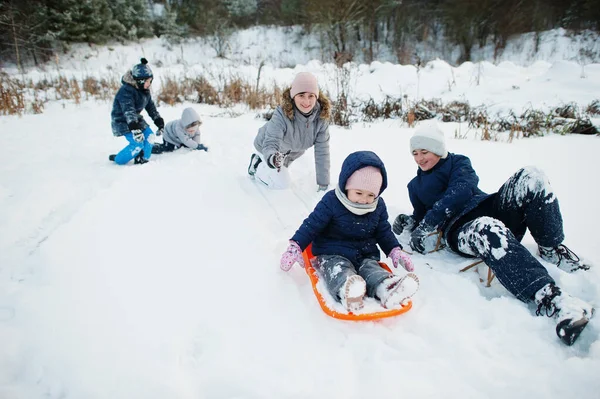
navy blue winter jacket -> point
(334, 230)
(445, 193)
(128, 104)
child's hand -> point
(292, 255)
(400, 257)
(275, 160)
(202, 147)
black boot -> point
(139, 159)
(572, 314)
(158, 149)
(254, 161)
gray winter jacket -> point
(175, 130)
(289, 130)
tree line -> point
(32, 31)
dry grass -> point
(20, 96)
(12, 98)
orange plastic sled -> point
(314, 279)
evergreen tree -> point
(291, 12)
(167, 25)
(204, 17)
(77, 20)
(133, 16)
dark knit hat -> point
(141, 70)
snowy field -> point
(162, 280)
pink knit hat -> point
(368, 178)
(304, 82)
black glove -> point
(159, 122)
(424, 238)
(202, 147)
(136, 125)
(160, 132)
(402, 222)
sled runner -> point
(314, 279)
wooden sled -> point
(314, 279)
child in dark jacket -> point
(126, 119)
(345, 229)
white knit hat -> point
(429, 137)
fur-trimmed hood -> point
(128, 79)
(287, 105)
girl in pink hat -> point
(300, 122)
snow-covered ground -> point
(162, 280)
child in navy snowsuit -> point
(345, 228)
(126, 119)
(446, 199)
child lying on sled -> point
(345, 228)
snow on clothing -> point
(345, 242)
(176, 134)
(290, 130)
(336, 269)
(128, 104)
(491, 226)
(444, 193)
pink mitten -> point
(398, 256)
(292, 255)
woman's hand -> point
(402, 222)
(424, 239)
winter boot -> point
(112, 157)
(158, 148)
(352, 293)
(254, 162)
(395, 290)
(563, 257)
(139, 159)
(572, 314)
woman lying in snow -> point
(445, 198)
(300, 122)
